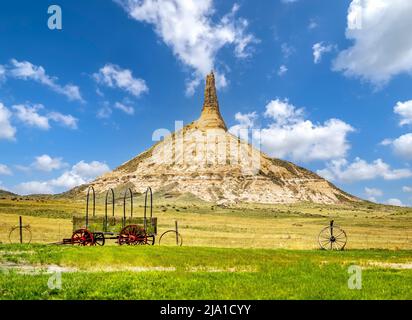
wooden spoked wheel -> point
(99, 239)
(82, 237)
(332, 238)
(133, 235)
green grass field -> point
(201, 273)
(240, 252)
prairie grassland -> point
(241, 252)
(200, 273)
(247, 226)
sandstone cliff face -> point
(205, 160)
(216, 166)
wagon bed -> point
(113, 225)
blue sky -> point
(327, 83)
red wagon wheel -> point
(147, 240)
(130, 235)
(82, 237)
(134, 235)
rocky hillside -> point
(205, 160)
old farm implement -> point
(332, 237)
(95, 230)
(20, 233)
(170, 236)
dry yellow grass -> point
(250, 226)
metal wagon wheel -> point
(332, 238)
(171, 236)
(26, 235)
(83, 237)
(99, 238)
(134, 235)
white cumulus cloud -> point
(47, 163)
(7, 131)
(289, 135)
(5, 170)
(2, 73)
(245, 121)
(361, 170)
(373, 192)
(395, 202)
(406, 189)
(25, 70)
(90, 170)
(190, 30)
(34, 187)
(313, 24)
(402, 146)
(319, 49)
(66, 181)
(105, 111)
(282, 70)
(404, 110)
(282, 112)
(66, 120)
(79, 174)
(382, 45)
(126, 109)
(30, 115)
(114, 76)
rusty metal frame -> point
(149, 189)
(87, 205)
(129, 190)
(106, 205)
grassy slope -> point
(204, 273)
(6, 194)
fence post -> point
(21, 229)
(177, 233)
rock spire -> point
(211, 117)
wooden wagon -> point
(95, 230)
